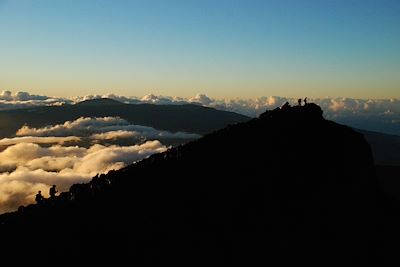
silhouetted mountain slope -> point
(288, 188)
(189, 118)
(389, 181)
(385, 147)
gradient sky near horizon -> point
(223, 48)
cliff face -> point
(288, 188)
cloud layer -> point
(109, 127)
(72, 152)
(39, 140)
(20, 99)
(371, 114)
(27, 167)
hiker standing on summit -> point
(53, 192)
(39, 198)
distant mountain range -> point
(288, 188)
(189, 118)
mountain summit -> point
(286, 188)
(99, 102)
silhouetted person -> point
(305, 101)
(299, 101)
(53, 192)
(39, 198)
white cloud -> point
(150, 99)
(202, 99)
(20, 99)
(39, 140)
(15, 192)
(20, 96)
(104, 158)
(113, 135)
(26, 167)
(83, 126)
(21, 154)
(34, 156)
(107, 126)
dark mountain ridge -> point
(287, 188)
(100, 102)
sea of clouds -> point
(72, 152)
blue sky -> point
(221, 48)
